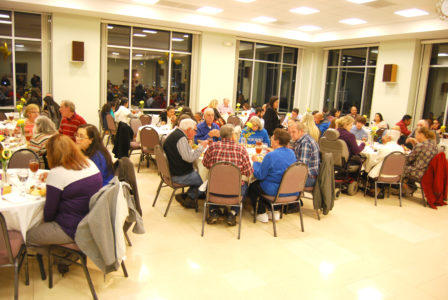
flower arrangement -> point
(238, 107)
(142, 104)
(248, 132)
(373, 132)
(19, 108)
(443, 129)
(5, 155)
(21, 124)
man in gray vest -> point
(180, 159)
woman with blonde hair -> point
(73, 179)
(31, 112)
(344, 125)
(313, 131)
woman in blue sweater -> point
(255, 131)
(89, 141)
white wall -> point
(75, 81)
(393, 100)
(216, 76)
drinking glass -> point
(22, 174)
(34, 167)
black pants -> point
(254, 193)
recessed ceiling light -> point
(115, 53)
(442, 54)
(186, 36)
(140, 35)
(412, 12)
(360, 1)
(374, 51)
(110, 27)
(150, 2)
(353, 21)
(246, 1)
(177, 39)
(5, 22)
(263, 19)
(309, 28)
(149, 31)
(4, 16)
(209, 10)
(139, 55)
(21, 46)
(303, 10)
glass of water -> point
(22, 175)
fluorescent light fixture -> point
(110, 27)
(149, 31)
(5, 22)
(442, 54)
(140, 35)
(115, 53)
(353, 21)
(150, 2)
(4, 16)
(412, 12)
(303, 10)
(360, 1)
(246, 1)
(175, 39)
(20, 45)
(263, 19)
(139, 55)
(186, 36)
(374, 51)
(209, 10)
(309, 28)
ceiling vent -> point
(379, 4)
(173, 4)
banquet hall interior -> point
(380, 56)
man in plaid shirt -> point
(228, 150)
(306, 150)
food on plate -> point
(37, 191)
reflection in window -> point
(117, 73)
(267, 83)
(28, 70)
(244, 80)
(6, 93)
(151, 39)
(180, 79)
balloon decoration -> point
(4, 50)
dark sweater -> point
(350, 139)
(178, 166)
(271, 120)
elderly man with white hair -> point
(180, 159)
(207, 129)
(225, 108)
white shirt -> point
(382, 153)
(122, 114)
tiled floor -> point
(358, 251)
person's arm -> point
(353, 146)
(246, 167)
(186, 152)
(266, 138)
(413, 155)
(261, 170)
(207, 160)
(304, 154)
(201, 134)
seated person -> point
(344, 125)
(254, 131)
(294, 115)
(259, 112)
(379, 122)
(89, 142)
(207, 129)
(418, 160)
(44, 128)
(404, 123)
(168, 116)
(411, 141)
(225, 108)
(230, 151)
(269, 173)
(180, 157)
(31, 112)
(320, 123)
(306, 150)
(73, 179)
(358, 129)
(123, 114)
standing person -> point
(225, 107)
(269, 173)
(51, 110)
(123, 114)
(207, 129)
(228, 150)
(180, 159)
(43, 129)
(353, 112)
(70, 119)
(271, 120)
(404, 123)
(89, 141)
(73, 179)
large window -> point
(350, 78)
(266, 70)
(21, 57)
(437, 84)
(160, 64)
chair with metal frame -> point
(391, 172)
(13, 253)
(145, 119)
(149, 139)
(224, 189)
(21, 158)
(234, 120)
(112, 126)
(165, 177)
(135, 125)
(293, 181)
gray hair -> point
(44, 125)
(208, 111)
(301, 127)
(393, 134)
(69, 104)
(187, 124)
(256, 121)
(226, 131)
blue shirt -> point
(203, 130)
(254, 135)
(323, 127)
(359, 133)
(101, 164)
(271, 170)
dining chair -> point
(145, 119)
(234, 120)
(165, 177)
(135, 125)
(391, 172)
(13, 253)
(149, 138)
(112, 127)
(21, 158)
(3, 116)
(224, 189)
(293, 182)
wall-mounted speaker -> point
(77, 51)
(390, 73)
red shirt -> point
(228, 151)
(403, 128)
(69, 126)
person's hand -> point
(214, 133)
(163, 123)
(43, 176)
(364, 139)
(254, 158)
(203, 144)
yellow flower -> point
(2, 137)
(180, 108)
(249, 124)
(374, 128)
(443, 128)
(19, 107)
(289, 115)
(238, 105)
(6, 154)
(23, 100)
(308, 110)
(20, 122)
(364, 116)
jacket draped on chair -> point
(435, 181)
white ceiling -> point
(236, 17)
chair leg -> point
(255, 210)
(169, 203)
(139, 162)
(203, 218)
(241, 219)
(423, 195)
(89, 280)
(126, 236)
(125, 271)
(273, 219)
(366, 186)
(301, 218)
(41, 266)
(318, 215)
(50, 269)
(27, 275)
(400, 193)
(375, 193)
(158, 191)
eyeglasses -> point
(80, 137)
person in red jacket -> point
(404, 123)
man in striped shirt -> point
(70, 119)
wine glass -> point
(22, 174)
(34, 167)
